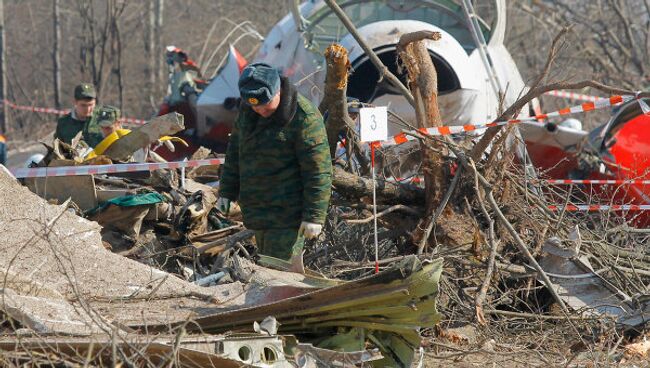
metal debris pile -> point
(585, 301)
(140, 268)
(159, 275)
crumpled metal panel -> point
(389, 308)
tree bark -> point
(335, 100)
(4, 127)
(352, 185)
(150, 48)
(159, 11)
(56, 53)
(116, 46)
(423, 82)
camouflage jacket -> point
(67, 128)
(279, 168)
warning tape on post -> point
(595, 182)
(456, 129)
(133, 121)
(49, 110)
(41, 172)
(593, 103)
(420, 179)
(600, 207)
(45, 110)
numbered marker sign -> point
(374, 123)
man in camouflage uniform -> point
(277, 165)
(108, 120)
(82, 118)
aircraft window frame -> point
(458, 15)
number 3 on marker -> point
(373, 124)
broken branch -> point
(397, 207)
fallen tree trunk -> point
(348, 184)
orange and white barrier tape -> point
(596, 182)
(600, 207)
(40, 172)
(45, 110)
(573, 96)
(420, 179)
(49, 110)
(455, 129)
(133, 121)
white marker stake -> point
(374, 203)
(374, 124)
(183, 175)
(374, 128)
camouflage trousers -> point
(279, 243)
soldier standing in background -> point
(82, 118)
(278, 165)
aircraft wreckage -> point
(69, 290)
(64, 291)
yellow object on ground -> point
(106, 142)
(119, 133)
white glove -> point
(309, 229)
(223, 205)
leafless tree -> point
(158, 29)
(609, 39)
(148, 15)
(3, 72)
(101, 47)
(56, 52)
(116, 44)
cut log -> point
(349, 184)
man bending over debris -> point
(81, 119)
(111, 127)
(277, 165)
(108, 120)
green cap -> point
(354, 105)
(107, 115)
(84, 91)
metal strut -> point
(479, 40)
